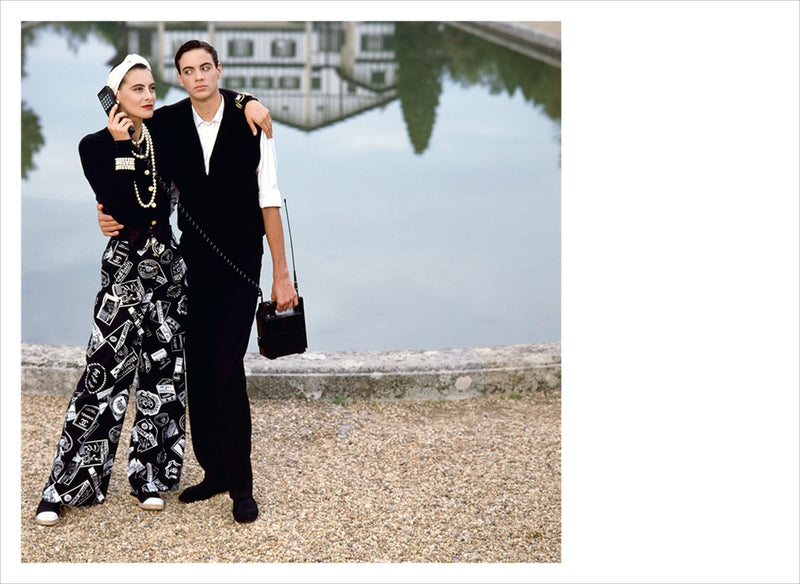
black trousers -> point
(222, 309)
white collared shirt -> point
(269, 195)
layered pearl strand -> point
(148, 150)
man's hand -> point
(258, 115)
(108, 225)
(284, 294)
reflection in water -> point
(76, 34)
(316, 74)
(32, 139)
(474, 61)
(389, 186)
(420, 59)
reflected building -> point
(310, 75)
(315, 74)
(402, 75)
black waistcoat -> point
(224, 202)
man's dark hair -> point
(192, 45)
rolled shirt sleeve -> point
(269, 195)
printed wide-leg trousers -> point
(138, 332)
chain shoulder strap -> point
(219, 252)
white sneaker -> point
(47, 518)
(152, 504)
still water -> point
(421, 166)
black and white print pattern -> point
(138, 333)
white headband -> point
(118, 72)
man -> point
(226, 178)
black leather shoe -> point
(245, 510)
(200, 492)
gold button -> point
(146, 172)
(154, 222)
(150, 189)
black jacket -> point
(114, 188)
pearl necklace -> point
(148, 150)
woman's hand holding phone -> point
(120, 126)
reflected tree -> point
(420, 63)
(424, 51)
(31, 136)
(474, 61)
(32, 139)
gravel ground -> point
(476, 480)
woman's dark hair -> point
(192, 45)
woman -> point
(139, 319)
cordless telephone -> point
(107, 100)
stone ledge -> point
(367, 375)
